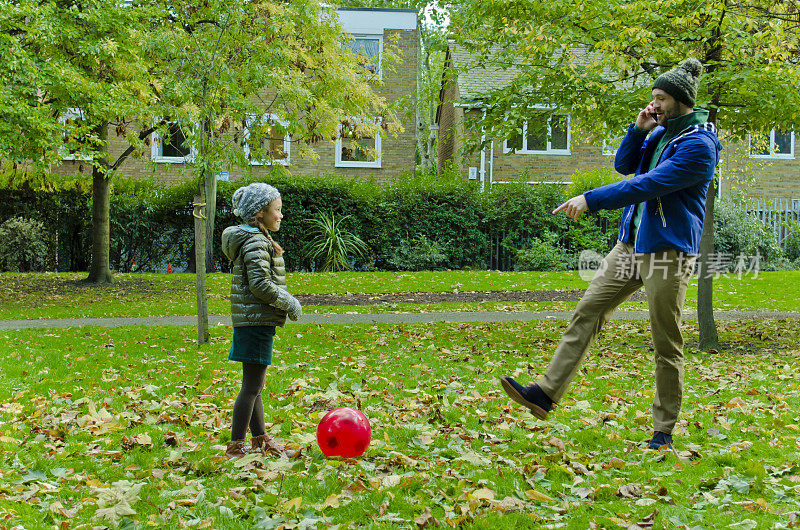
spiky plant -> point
(333, 243)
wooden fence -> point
(777, 214)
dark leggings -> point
(248, 409)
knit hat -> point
(682, 82)
(248, 200)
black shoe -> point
(531, 397)
(661, 439)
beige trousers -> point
(665, 276)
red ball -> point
(344, 432)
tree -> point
(597, 60)
(240, 70)
(76, 69)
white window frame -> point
(549, 150)
(71, 114)
(156, 141)
(772, 154)
(379, 38)
(287, 141)
(350, 163)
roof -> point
(475, 81)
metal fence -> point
(502, 256)
(777, 214)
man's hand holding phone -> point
(646, 120)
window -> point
(73, 134)
(173, 149)
(543, 134)
(267, 140)
(368, 48)
(775, 145)
(355, 149)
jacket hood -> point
(234, 237)
(708, 130)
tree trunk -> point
(709, 339)
(211, 214)
(99, 270)
(200, 275)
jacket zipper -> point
(628, 223)
(660, 207)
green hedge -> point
(66, 215)
(416, 221)
(739, 233)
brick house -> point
(371, 29)
(764, 172)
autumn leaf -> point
(426, 520)
(538, 496)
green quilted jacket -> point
(257, 276)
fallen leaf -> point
(332, 501)
(629, 491)
(616, 463)
(293, 505)
(538, 496)
(426, 519)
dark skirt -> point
(252, 344)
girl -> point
(259, 303)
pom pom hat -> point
(682, 81)
(248, 200)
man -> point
(658, 242)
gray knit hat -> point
(682, 82)
(248, 200)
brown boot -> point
(267, 444)
(235, 449)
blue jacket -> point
(674, 191)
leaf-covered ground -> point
(125, 426)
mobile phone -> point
(654, 116)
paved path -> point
(369, 318)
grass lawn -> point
(32, 296)
(125, 426)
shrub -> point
(304, 198)
(739, 233)
(414, 222)
(24, 246)
(418, 253)
(332, 242)
(542, 255)
(442, 208)
(66, 212)
(584, 180)
(595, 231)
(518, 213)
(792, 241)
(150, 226)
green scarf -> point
(674, 127)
